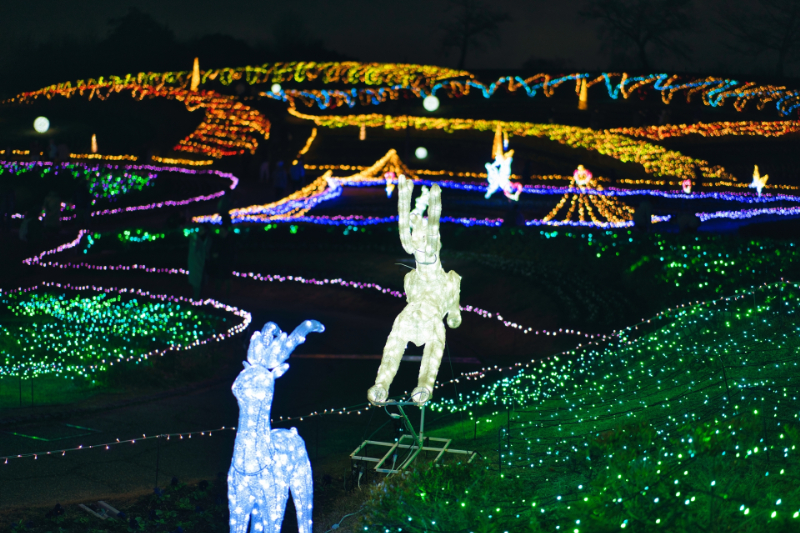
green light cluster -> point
(138, 235)
(702, 265)
(686, 420)
(127, 236)
(104, 181)
(79, 335)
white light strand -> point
(108, 445)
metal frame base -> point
(414, 444)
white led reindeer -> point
(267, 463)
(431, 294)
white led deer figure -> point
(267, 463)
(431, 294)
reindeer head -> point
(271, 347)
(419, 235)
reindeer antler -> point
(434, 214)
(406, 189)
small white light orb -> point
(41, 124)
(430, 103)
(421, 152)
(276, 88)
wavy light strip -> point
(104, 157)
(655, 159)
(293, 209)
(713, 91)
(480, 374)
(166, 203)
(714, 129)
(228, 128)
(37, 260)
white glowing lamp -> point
(268, 463)
(276, 88)
(41, 124)
(430, 103)
(432, 294)
(421, 152)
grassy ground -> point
(686, 422)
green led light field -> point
(76, 335)
(687, 420)
(102, 181)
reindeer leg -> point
(390, 362)
(431, 359)
(302, 486)
(241, 500)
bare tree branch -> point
(759, 26)
(643, 24)
(473, 25)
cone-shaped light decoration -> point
(94, 143)
(497, 147)
(580, 205)
(583, 97)
(196, 74)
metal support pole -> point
(158, 456)
(421, 425)
(508, 427)
(500, 450)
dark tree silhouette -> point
(759, 26)
(539, 64)
(292, 41)
(472, 25)
(137, 42)
(218, 50)
(643, 24)
(140, 42)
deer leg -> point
(390, 362)
(241, 500)
(302, 487)
(428, 370)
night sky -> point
(382, 30)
